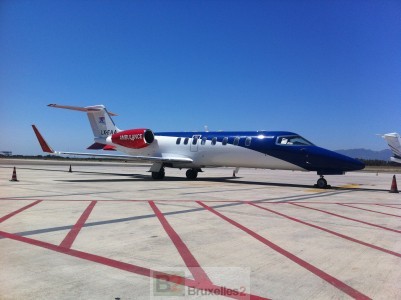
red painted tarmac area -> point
(201, 279)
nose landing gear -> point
(322, 183)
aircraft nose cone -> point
(330, 162)
(359, 165)
(346, 163)
(351, 164)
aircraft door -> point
(194, 143)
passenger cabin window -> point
(236, 141)
(294, 140)
(204, 139)
(178, 141)
(186, 141)
(194, 140)
(225, 140)
(214, 140)
(248, 141)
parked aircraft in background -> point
(197, 150)
(394, 142)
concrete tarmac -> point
(108, 231)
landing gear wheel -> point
(321, 183)
(191, 174)
(158, 175)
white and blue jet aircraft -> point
(197, 150)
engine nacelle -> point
(133, 138)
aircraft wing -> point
(172, 159)
(165, 158)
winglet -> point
(42, 142)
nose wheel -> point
(322, 183)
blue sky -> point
(328, 70)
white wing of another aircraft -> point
(394, 142)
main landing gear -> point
(159, 175)
(192, 173)
(322, 183)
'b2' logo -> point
(171, 284)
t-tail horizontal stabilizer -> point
(84, 109)
(99, 118)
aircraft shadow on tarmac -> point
(238, 180)
(145, 177)
(229, 179)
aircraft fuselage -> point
(250, 149)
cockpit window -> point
(294, 140)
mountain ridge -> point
(367, 154)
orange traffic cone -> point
(394, 188)
(14, 177)
(70, 170)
